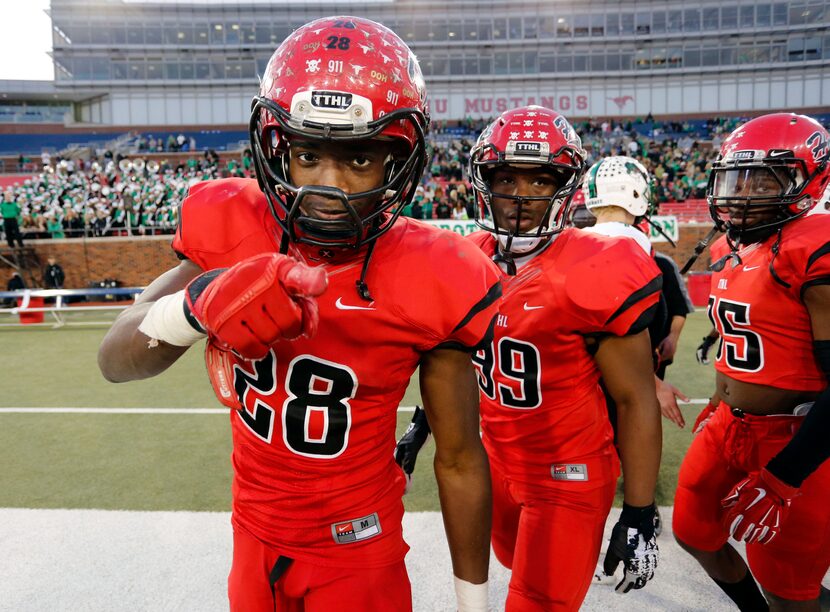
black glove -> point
(415, 436)
(702, 351)
(633, 542)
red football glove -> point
(757, 507)
(255, 303)
(703, 418)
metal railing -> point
(26, 306)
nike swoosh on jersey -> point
(341, 306)
(526, 307)
(749, 269)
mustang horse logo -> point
(621, 101)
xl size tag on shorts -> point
(569, 471)
(356, 529)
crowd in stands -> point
(113, 196)
(173, 143)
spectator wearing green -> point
(11, 224)
(426, 206)
(54, 226)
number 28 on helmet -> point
(340, 80)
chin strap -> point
(284, 242)
(362, 287)
(732, 255)
(701, 246)
(502, 258)
(776, 247)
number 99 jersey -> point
(756, 306)
(541, 403)
(314, 421)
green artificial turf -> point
(178, 461)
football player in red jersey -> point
(575, 308)
(318, 307)
(758, 469)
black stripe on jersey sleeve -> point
(821, 280)
(485, 341)
(653, 286)
(493, 293)
(818, 253)
(644, 320)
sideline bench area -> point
(31, 306)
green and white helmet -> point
(618, 181)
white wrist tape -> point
(166, 321)
(471, 597)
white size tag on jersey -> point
(356, 530)
(569, 471)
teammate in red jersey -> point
(318, 307)
(758, 469)
(575, 307)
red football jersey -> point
(756, 306)
(314, 421)
(541, 403)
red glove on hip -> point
(757, 506)
(255, 303)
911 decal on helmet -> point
(337, 80)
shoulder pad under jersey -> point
(611, 282)
(224, 220)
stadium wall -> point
(135, 262)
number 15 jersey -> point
(541, 403)
(756, 306)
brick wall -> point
(133, 261)
(137, 261)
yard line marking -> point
(68, 410)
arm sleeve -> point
(615, 290)
(460, 302)
(808, 448)
(817, 268)
(223, 221)
(475, 330)
(803, 254)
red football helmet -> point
(339, 79)
(531, 136)
(775, 166)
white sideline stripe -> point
(68, 410)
